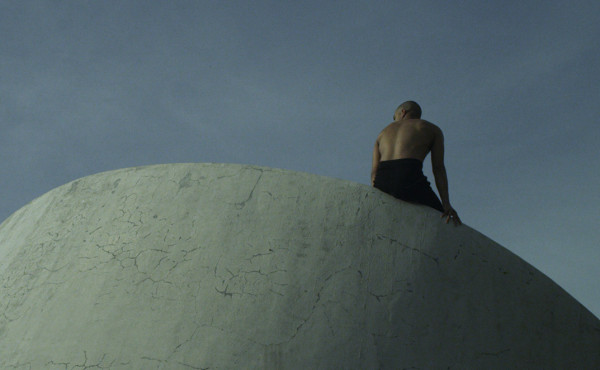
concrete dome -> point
(197, 266)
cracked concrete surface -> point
(214, 266)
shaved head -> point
(412, 109)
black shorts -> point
(404, 179)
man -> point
(398, 158)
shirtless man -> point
(398, 158)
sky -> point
(92, 86)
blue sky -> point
(91, 86)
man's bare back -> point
(411, 137)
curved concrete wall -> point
(227, 266)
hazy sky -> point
(91, 86)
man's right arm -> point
(441, 178)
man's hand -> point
(450, 213)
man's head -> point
(408, 109)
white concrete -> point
(197, 266)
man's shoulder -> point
(424, 122)
(391, 127)
(429, 126)
(418, 124)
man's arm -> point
(376, 159)
(441, 178)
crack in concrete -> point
(260, 254)
(98, 365)
(241, 205)
(406, 247)
(495, 354)
(20, 365)
(314, 307)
